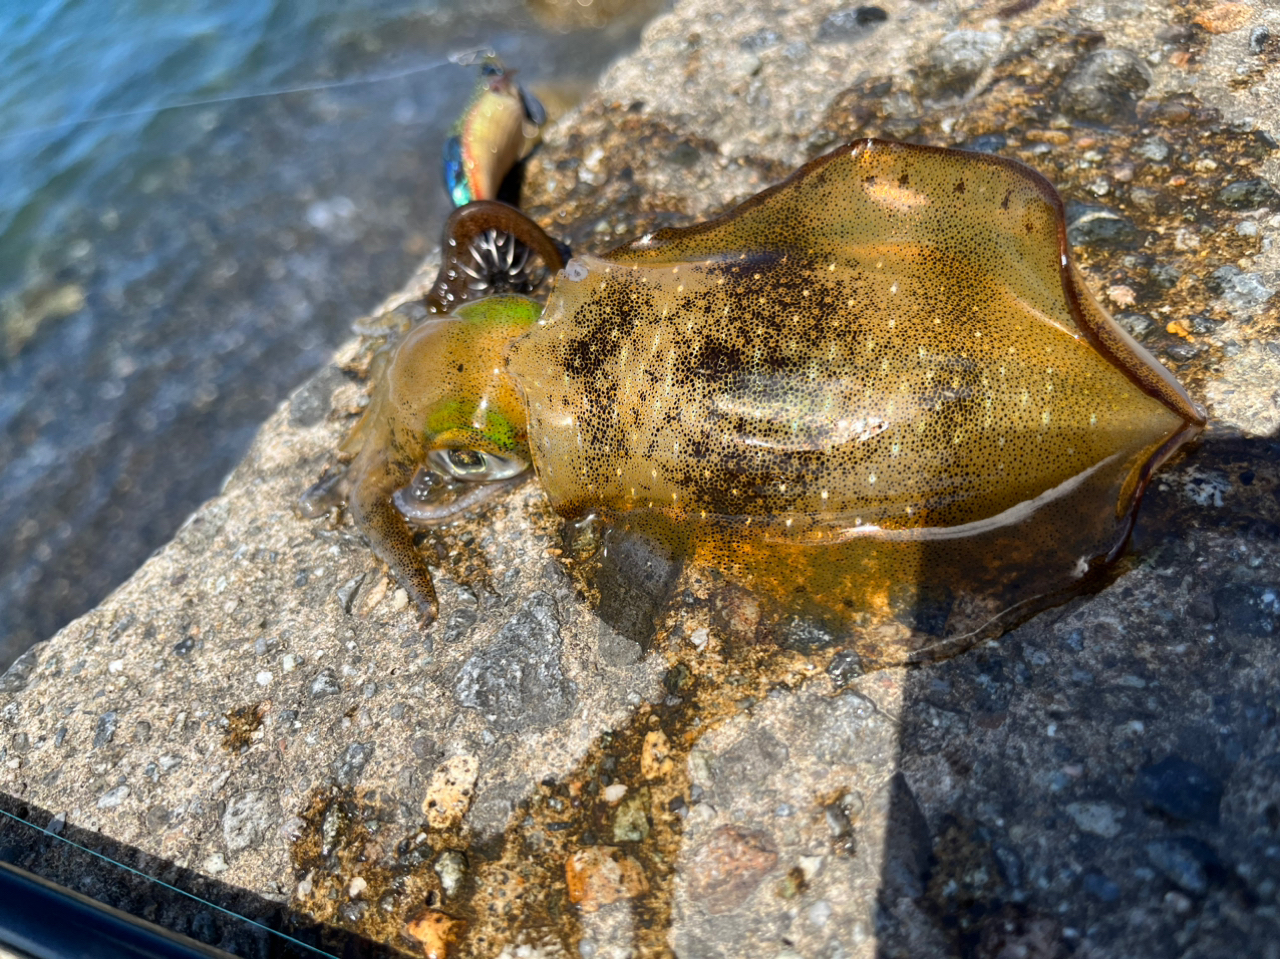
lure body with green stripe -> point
(497, 129)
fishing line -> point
(161, 882)
(463, 58)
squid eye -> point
(476, 465)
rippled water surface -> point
(168, 271)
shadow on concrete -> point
(1105, 779)
(210, 912)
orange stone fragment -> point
(435, 932)
(600, 875)
(728, 866)
(1056, 137)
(655, 758)
(1225, 17)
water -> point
(168, 273)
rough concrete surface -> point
(257, 716)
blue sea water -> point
(85, 83)
(182, 240)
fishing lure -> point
(497, 129)
(481, 253)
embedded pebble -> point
(631, 822)
(325, 684)
(347, 767)
(1137, 325)
(751, 761)
(1205, 487)
(517, 681)
(346, 593)
(1154, 149)
(15, 679)
(1099, 818)
(1164, 275)
(1258, 38)
(1121, 295)
(849, 728)
(850, 24)
(1242, 292)
(616, 649)
(1248, 611)
(426, 749)
(1186, 239)
(248, 820)
(760, 40)
(1247, 194)
(1183, 861)
(726, 868)
(600, 875)
(105, 729)
(840, 816)
(451, 867)
(459, 624)
(957, 60)
(1091, 224)
(113, 797)
(1181, 790)
(1106, 87)
(820, 913)
(797, 51)
(353, 912)
(844, 668)
(156, 818)
(986, 143)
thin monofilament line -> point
(161, 882)
(456, 58)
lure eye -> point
(490, 70)
(476, 466)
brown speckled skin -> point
(879, 388)
(879, 395)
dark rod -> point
(45, 921)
